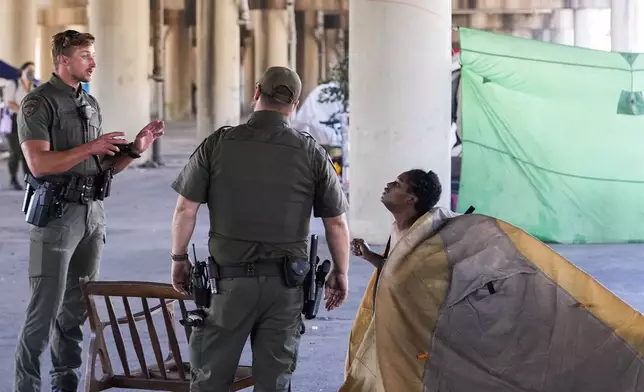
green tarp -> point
(553, 138)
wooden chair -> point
(169, 374)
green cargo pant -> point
(67, 249)
(261, 307)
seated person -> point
(408, 198)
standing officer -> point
(59, 127)
(261, 180)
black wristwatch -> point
(128, 150)
(183, 257)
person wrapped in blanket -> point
(412, 200)
(409, 197)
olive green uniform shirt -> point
(52, 113)
(261, 181)
(68, 248)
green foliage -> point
(339, 90)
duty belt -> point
(82, 189)
(265, 267)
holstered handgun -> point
(30, 188)
(314, 283)
(41, 203)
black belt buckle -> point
(250, 269)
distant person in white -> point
(311, 112)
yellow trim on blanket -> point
(603, 304)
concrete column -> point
(309, 49)
(592, 28)
(46, 62)
(277, 32)
(248, 77)
(627, 26)
(25, 22)
(218, 67)
(205, 43)
(271, 34)
(120, 82)
(385, 124)
(334, 48)
(226, 72)
(6, 30)
(178, 66)
(259, 42)
(18, 28)
(563, 27)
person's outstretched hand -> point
(148, 135)
(360, 248)
(336, 289)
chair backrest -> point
(154, 298)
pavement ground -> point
(139, 215)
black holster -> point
(314, 281)
(41, 203)
(312, 306)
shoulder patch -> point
(31, 104)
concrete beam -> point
(302, 5)
(509, 5)
(589, 4)
(502, 11)
(514, 5)
(62, 16)
(503, 21)
(459, 7)
(174, 4)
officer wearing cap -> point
(260, 180)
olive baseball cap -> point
(282, 84)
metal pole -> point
(157, 73)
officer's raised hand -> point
(107, 144)
(148, 135)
